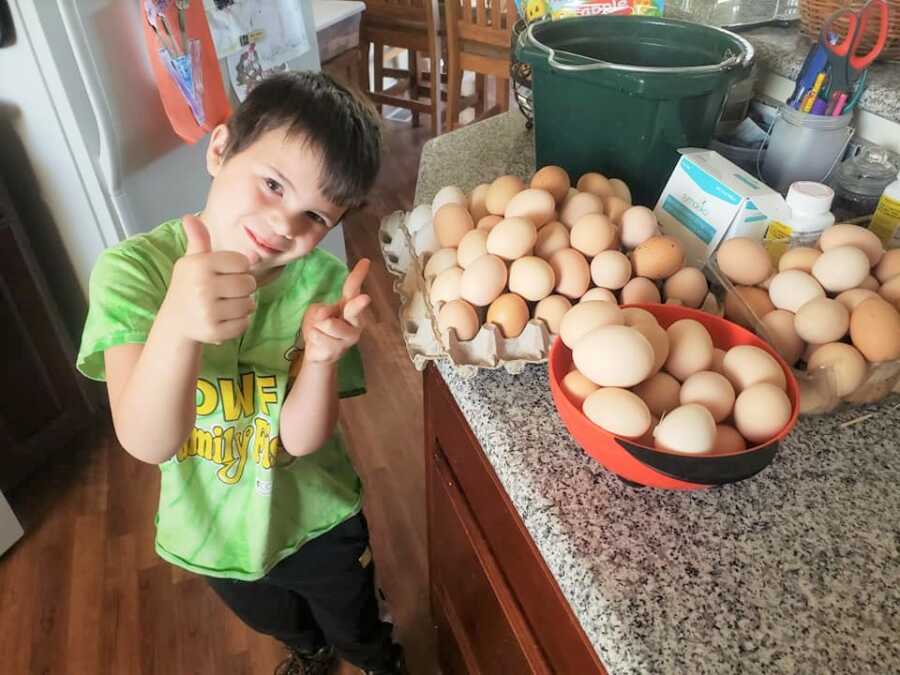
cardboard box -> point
(708, 199)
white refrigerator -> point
(78, 87)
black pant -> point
(324, 594)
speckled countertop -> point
(794, 571)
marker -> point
(839, 106)
(814, 93)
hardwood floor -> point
(83, 593)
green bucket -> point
(621, 94)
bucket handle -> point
(731, 60)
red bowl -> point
(647, 466)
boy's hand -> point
(209, 298)
(330, 330)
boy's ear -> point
(215, 153)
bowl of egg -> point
(670, 397)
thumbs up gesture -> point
(209, 297)
(330, 330)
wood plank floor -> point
(84, 593)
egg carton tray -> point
(418, 318)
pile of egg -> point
(834, 306)
(671, 388)
(509, 252)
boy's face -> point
(265, 200)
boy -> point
(194, 326)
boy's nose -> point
(282, 225)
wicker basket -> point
(813, 13)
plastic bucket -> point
(621, 94)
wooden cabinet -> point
(495, 604)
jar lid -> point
(869, 172)
(808, 197)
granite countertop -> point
(795, 570)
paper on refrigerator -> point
(276, 28)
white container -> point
(886, 221)
(810, 215)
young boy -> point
(194, 327)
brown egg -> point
(551, 311)
(483, 281)
(845, 234)
(618, 411)
(573, 276)
(611, 269)
(761, 412)
(850, 299)
(728, 440)
(636, 315)
(718, 362)
(779, 325)
(640, 291)
(551, 238)
(510, 313)
(688, 285)
(616, 208)
(711, 390)
(847, 366)
(577, 387)
(451, 223)
(736, 303)
(501, 192)
(658, 338)
(538, 206)
(841, 268)
(488, 222)
(593, 233)
(579, 205)
(620, 189)
(603, 294)
(690, 349)
(888, 267)
(660, 392)
(822, 320)
(746, 365)
(744, 261)
(446, 286)
(512, 238)
(478, 202)
(638, 225)
(595, 183)
(800, 258)
(461, 317)
(890, 290)
(532, 278)
(554, 180)
(659, 257)
(585, 317)
(711, 305)
(472, 247)
(792, 289)
(875, 329)
(440, 261)
(613, 356)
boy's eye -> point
(315, 217)
(274, 186)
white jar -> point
(810, 206)
(886, 221)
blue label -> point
(709, 184)
(702, 229)
(746, 181)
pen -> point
(839, 106)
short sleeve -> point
(126, 292)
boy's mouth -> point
(261, 244)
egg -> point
(690, 349)
(613, 356)
(510, 313)
(635, 315)
(718, 362)
(577, 387)
(761, 411)
(711, 390)
(483, 281)
(640, 291)
(889, 266)
(461, 317)
(511, 238)
(658, 338)
(618, 411)
(615, 208)
(446, 286)
(538, 206)
(660, 392)
(551, 311)
(553, 237)
(585, 317)
(674, 301)
(426, 241)
(846, 366)
(578, 206)
(890, 290)
(593, 233)
(488, 222)
(744, 261)
(532, 278)
(478, 202)
(440, 261)
(792, 289)
(620, 189)
(850, 299)
(610, 269)
(845, 234)
(870, 283)
(472, 247)
(419, 218)
(689, 429)
(711, 305)
(554, 180)
(740, 298)
(746, 365)
(688, 285)
(842, 268)
(501, 192)
(779, 326)
(448, 195)
(822, 320)
(659, 257)
(451, 223)
(728, 440)
(573, 275)
(647, 438)
(800, 258)
(595, 183)
(638, 225)
(875, 329)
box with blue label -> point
(708, 199)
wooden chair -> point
(479, 35)
(409, 25)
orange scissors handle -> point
(858, 21)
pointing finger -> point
(354, 281)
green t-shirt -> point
(233, 502)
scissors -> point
(845, 64)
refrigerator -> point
(77, 87)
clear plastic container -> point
(810, 205)
(861, 179)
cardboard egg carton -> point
(418, 318)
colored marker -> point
(814, 93)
